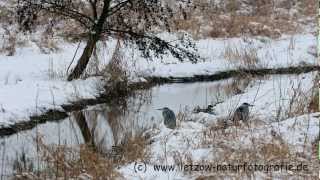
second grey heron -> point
(169, 117)
(242, 113)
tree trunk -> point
(84, 59)
(93, 38)
(84, 128)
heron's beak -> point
(160, 109)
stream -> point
(107, 125)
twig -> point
(74, 56)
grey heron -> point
(169, 117)
(241, 113)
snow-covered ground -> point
(32, 82)
(200, 140)
(280, 128)
(287, 51)
(187, 145)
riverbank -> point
(282, 129)
(61, 111)
(282, 126)
(39, 86)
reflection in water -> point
(106, 125)
(83, 126)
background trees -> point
(132, 21)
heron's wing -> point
(172, 115)
(169, 115)
(240, 109)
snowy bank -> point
(32, 82)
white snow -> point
(298, 133)
(190, 144)
(268, 95)
(284, 52)
(189, 140)
(31, 82)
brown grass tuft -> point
(243, 57)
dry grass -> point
(314, 105)
(55, 72)
(46, 44)
(309, 7)
(5, 14)
(13, 39)
(183, 115)
(238, 85)
(230, 18)
(116, 69)
(61, 161)
(135, 148)
(242, 57)
(261, 151)
(234, 18)
(298, 103)
(116, 74)
(9, 43)
(241, 144)
(68, 163)
(22, 163)
(234, 26)
(263, 7)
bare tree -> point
(132, 20)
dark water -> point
(106, 125)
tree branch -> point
(173, 49)
(93, 4)
(118, 6)
(64, 10)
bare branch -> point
(118, 7)
(178, 52)
(66, 10)
(93, 4)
